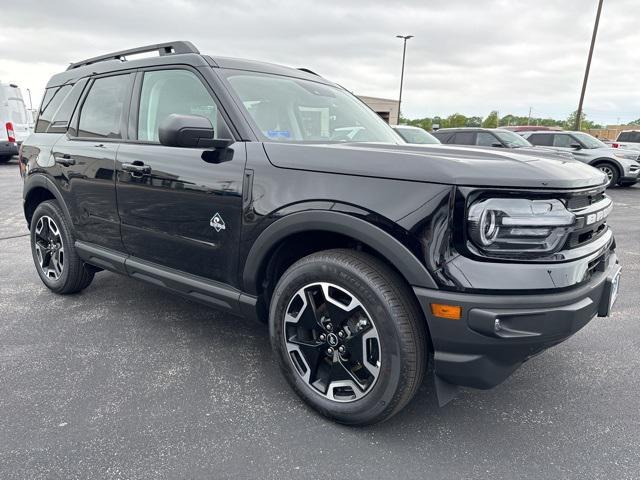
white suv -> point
(14, 121)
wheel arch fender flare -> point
(414, 272)
(38, 181)
(612, 161)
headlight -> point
(626, 156)
(512, 227)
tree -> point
(570, 123)
(491, 121)
(457, 120)
(474, 121)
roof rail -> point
(169, 48)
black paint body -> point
(405, 203)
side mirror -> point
(189, 131)
(576, 146)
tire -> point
(59, 267)
(382, 326)
(627, 184)
(5, 158)
(610, 170)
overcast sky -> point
(468, 56)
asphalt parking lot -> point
(127, 381)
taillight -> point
(615, 145)
(10, 133)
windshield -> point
(588, 141)
(416, 135)
(511, 139)
(289, 109)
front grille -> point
(591, 220)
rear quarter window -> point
(50, 105)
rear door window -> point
(465, 138)
(542, 140)
(102, 112)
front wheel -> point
(348, 335)
(611, 171)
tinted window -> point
(413, 135)
(103, 107)
(541, 139)
(63, 114)
(563, 140)
(172, 91)
(487, 140)
(50, 105)
(629, 137)
(465, 138)
(444, 137)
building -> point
(610, 132)
(385, 107)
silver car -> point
(621, 166)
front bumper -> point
(497, 333)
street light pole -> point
(586, 72)
(404, 53)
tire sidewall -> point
(383, 393)
(49, 209)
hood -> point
(446, 164)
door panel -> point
(167, 213)
(85, 173)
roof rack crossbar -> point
(170, 48)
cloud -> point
(467, 56)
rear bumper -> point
(473, 352)
(8, 148)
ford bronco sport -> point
(272, 193)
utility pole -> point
(586, 72)
(404, 53)
(30, 103)
(529, 119)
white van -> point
(14, 121)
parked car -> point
(230, 182)
(494, 137)
(529, 128)
(620, 166)
(627, 139)
(415, 135)
(14, 122)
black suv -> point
(272, 193)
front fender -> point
(374, 237)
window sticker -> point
(279, 134)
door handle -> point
(64, 160)
(135, 168)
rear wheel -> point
(348, 336)
(54, 254)
(5, 158)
